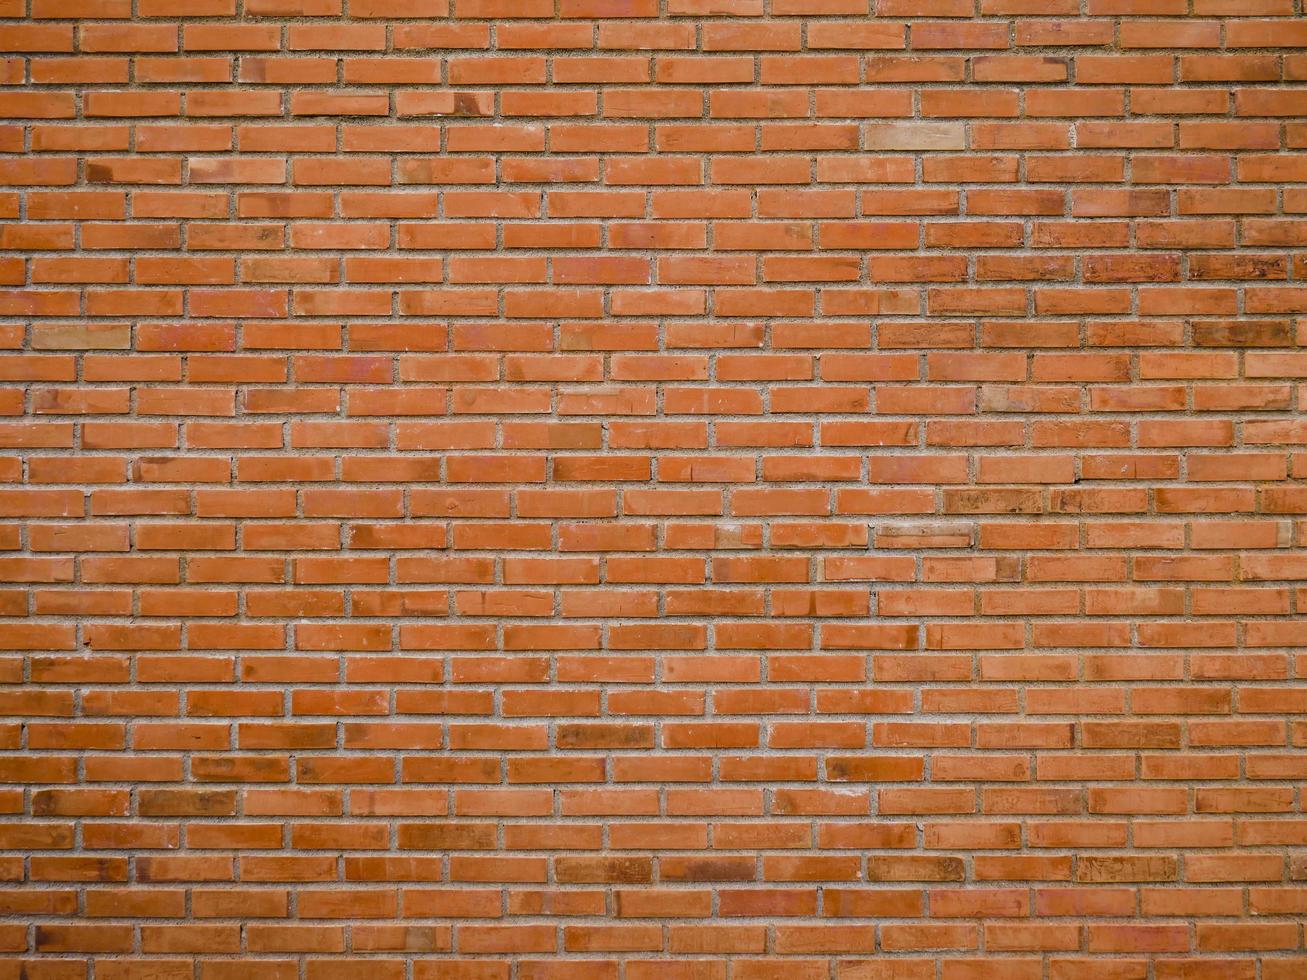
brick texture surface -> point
(653, 489)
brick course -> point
(653, 489)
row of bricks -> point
(1043, 468)
(749, 351)
(1041, 827)
(1207, 692)
(329, 701)
(1196, 700)
(681, 142)
(556, 503)
(681, 166)
(633, 426)
(430, 502)
(398, 406)
(787, 939)
(1207, 869)
(678, 735)
(686, 571)
(1195, 232)
(389, 736)
(555, 303)
(1206, 672)
(706, 34)
(564, 438)
(458, 468)
(625, 9)
(641, 537)
(631, 352)
(686, 967)
(1207, 238)
(53, 671)
(727, 669)
(802, 666)
(487, 735)
(623, 270)
(733, 270)
(1137, 803)
(579, 338)
(617, 270)
(619, 677)
(733, 469)
(681, 102)
(312, 769)
(1192, 234)
(1205, 235)
(642, 604)
(667, 570)
(561, 68)
(1209, 700)
(631, 868)
(743, 635)
(344, 171)
(641, 350)
(678, 903)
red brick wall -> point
(653, 489)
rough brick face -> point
(653, 489)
